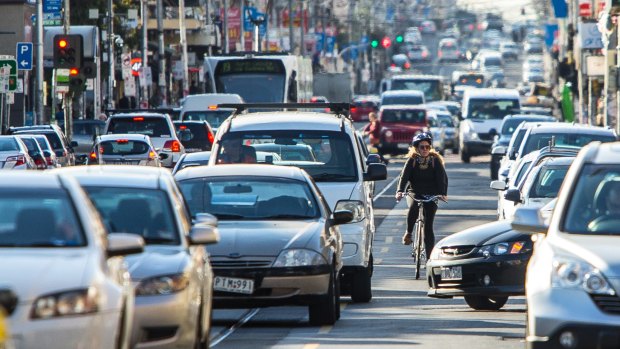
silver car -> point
(573, 277)
(280, 245)
(173, 277)
(125, 149)
(14, 154)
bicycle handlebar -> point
(433, 198)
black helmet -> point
(424, 136)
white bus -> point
(260, 78)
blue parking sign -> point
(24, 55)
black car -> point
(195, 135)
(509, 125)
(485, 264)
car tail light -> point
(173, 146)
(122, 141)
(439, 54)
(182, 127)
(138, 118)
(353, 110)
(480, 26)
(210, 137)
(424, 54)
(39, 162)
(19, 160)
(213, 107)
(393, 65)
(407, 65)
(313, 99)
(49, 161)
(100, 150)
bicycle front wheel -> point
(419, 238)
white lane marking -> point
(384, 249)
(385, 189)
(217, 339)
(311, 346)
(389, 239)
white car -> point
(173, 277)
(125, 149)
(573, 278)
(14, 154)
(64, 282)
(340, 171)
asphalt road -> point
(400, 314)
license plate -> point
(235, 285)
(451, 273)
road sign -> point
(24, 55)
(8, 75)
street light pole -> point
(291, 41)
(110, 55)
(145, 47)
(183, 38)
(162, 54)
(39, 118)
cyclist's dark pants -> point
(430, 208)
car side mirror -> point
(376, 172)
(513, 195)
(499, 150)
(498, 185)
(529, 220)
(121, 244)
(203, 234)
(163, 156)
(206, 218)
(342, 217)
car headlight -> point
(355, 206)
(162, 285)
(299, 258)
(505, 248)
(571, 273)
(74, 302)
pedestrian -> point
(102, 117)
(424, 174)
(373, 131)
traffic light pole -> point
(110, 55)
(68, 101)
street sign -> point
(8, 75)
(24, 55)
(52, 5)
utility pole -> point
(242, 27)
(39, 118)
(183, 38)
(163, 93)
(302, 49)
(291, 41)
(145, 47)
(110, 55)
(68, 101)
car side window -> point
(363, 152)
(180, 208)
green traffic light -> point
(374, 43)
(399, 38)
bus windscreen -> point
(255, 80)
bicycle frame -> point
(419, 229)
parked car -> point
(572, 278)
(14, 154)
(48, 151)
(56, 137)
(62, 276)
(157, 126)
(281, 244)
(173, 277)
(124, 149)
(192, 159)
(34, 150)
(399, 123)
(341, 173)
(195, 135)
(484, 264)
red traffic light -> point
(62, 43)
(386, 42)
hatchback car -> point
(14, 154)
(173, 277)
(124, 149)
(195, 135)
(419, 53)
(573, 278)
(280, 245)
(340, 172)
(63, 278)
(157, 126)
(399, 123)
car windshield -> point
(594, 207)
(145, 125)
(235, 198)
(445, 121)
(406, 116)
(213, 117)
(8, 144)
(140, 211)
(432, 88)
(38, 218)
(410, 100)
(548, 182)
(123, 147)
(540, 140)
(334, 158)
(490, 108)
(492, 62)
(259, 87)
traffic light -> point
(386, 42)
(374, 43)
(89, 69)
(77, 81)
(68, 51)
(399, 38)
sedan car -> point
(484, 264)
(125, 149)
(280, 242)
(64, 282)
(14, 154)
(173, 277)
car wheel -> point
(325, 312)
(361, 288)
(485, 303)
(465, 157)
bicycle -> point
(418, 240)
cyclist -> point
(424, 174)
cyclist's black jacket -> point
(430, 181)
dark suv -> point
(62, 146)
(399, 123)
(194, 135)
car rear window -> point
(30, 144)
(409, 100)
(8, 144)
(145, 125)
(123, 147)
(42, 143)
(408, 116)
(194, 135)
(213, 117)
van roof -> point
(203, 101)
(491, 93)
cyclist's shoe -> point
(407, 239)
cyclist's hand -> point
(444, 198)
(399, 195)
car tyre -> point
(361, 285)
(325, 311)
(485, 303)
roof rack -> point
(340, 109)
